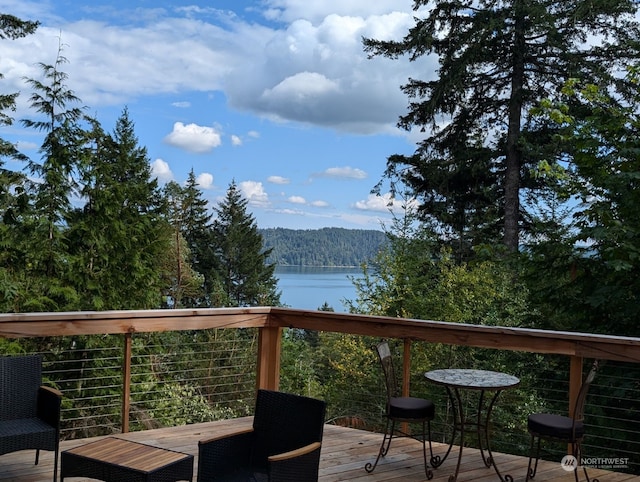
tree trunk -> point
(513, 159)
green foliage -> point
(496, 60)
(594, 265)
(321, 247)
(414, 278)
(193, 265)
(241, 261)
(12, 28)
(119, 234)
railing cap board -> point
(608, 347)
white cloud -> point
(161, 170)
(385, 203)
(27, 146)
(205, 180)
(254, 192)
(311, 69)
(193, 138)
(343, 173)
(236, 140)
(320, 204)
(181, 105)
(278, 180)
(316, 10)
(304, 89)
(297, 200)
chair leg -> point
(37, 456)
(384, 446)
(55, 465)
(531, 473)
(427, 434)
(577, 453)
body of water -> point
(308, 288)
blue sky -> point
(277, 95)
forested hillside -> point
(322, 247)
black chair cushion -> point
(411, 408)
(554, 426)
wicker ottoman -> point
(115, 460)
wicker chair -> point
(29, 412)
(402, 409)
(560, 428)
(283, 445)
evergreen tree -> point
(497, 59)
(42, 282)
(64, 139)
(197, 231)
(120, 235)
(243, 273)
(14, 198)
(11, 28)
(188, 218)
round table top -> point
(472, 379)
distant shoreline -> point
(315, 266)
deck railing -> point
(263, 328)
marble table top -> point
(472, 379)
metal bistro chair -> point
(560, 428)
(29, 412)
(402, 409)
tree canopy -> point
(497, 59)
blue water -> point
(308, 288)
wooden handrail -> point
(271, 321)
(585, 345)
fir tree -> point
(120, 235)
(498, 58)
(241, 261)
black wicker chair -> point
(29, 412)
(402, 409)
(283, 445)
(569, 430)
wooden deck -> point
(344, 454)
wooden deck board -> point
(344, 454)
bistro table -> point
(455, 380)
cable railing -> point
(180, 374)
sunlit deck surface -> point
(344, 454)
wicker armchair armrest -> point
(218, 455)
(295, 453)
(225, 436)
(296, 465)
(49, 403)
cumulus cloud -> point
(236, 140)
(297, 200)
(320, 204)
(193, 138)
(254, 193)
(343, 173)
(303, 91)
(205, 180)
(385, 203)
(311, 68)
(316, 10)
(161, 171)
(278, 180)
